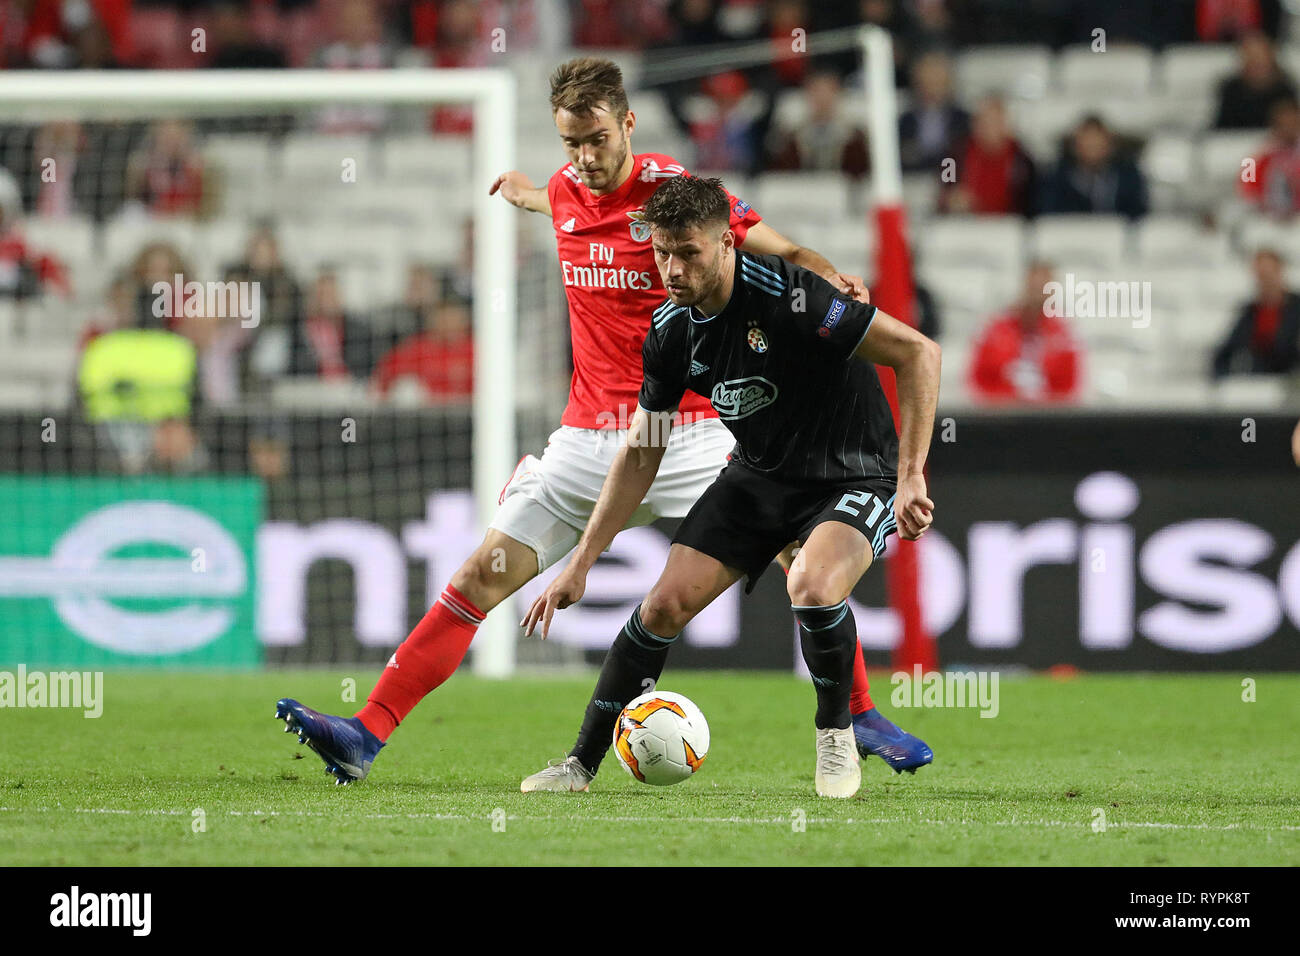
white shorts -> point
(547, 502)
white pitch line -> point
(745, 821)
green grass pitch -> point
(1185, 772)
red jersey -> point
(1009, 363)
(612, 285)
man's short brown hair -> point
(686, 202)
(582, 85)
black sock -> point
(826, 637)
(632, 668)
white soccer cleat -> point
(567, 776)
(839, 770)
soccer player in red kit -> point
(611, 282)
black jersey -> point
(777, 363)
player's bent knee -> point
(664, 614)
(805, 591)
(491, 574)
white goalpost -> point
(36, 96)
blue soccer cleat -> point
(877, 734)
(344, 743)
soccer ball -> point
(661, 738)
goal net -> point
(261, 374)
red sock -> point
(424, 660)
(860, 698)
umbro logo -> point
(568, 226)
(698, 368)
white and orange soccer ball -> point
(661, 738)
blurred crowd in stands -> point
(423, 342)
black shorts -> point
(745, 519)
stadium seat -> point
(1226, 289)
(1284, 237)
(426, 158)
(1129, 116)
(1221, 155)
(1022, 72)
(1172, 241)
(849, 245)
(1111, 371)
(70, 239)
(373, 285)
(1196, 69)
(221, 243)
(1169, 164)
(792, 201)
(1254, 393)
(994, 242)
(440, 245)
(243, 171)
(1190, 114)
(791, 109)
(316, 157)
(313, 394)
(126, 234)
(653, 121)
(965, 288)
(1166, 395)
(238, 155)
(920, 194)
(1096, 241)
(1197, 330)
(1119, 71)
(1041, 125)
(953, 372)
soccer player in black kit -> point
(787, 362)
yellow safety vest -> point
(137, 375)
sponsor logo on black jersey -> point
(833, 316)
(742, 397)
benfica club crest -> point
(757, 340)
(639, 228)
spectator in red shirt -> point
(1027, 355)
(1219, 21)
(89, 34)
(994, 174)
(441, 357)
(1265, 339)
(1275, 185)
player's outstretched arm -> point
(763, 240)
(915, 360)
(625, 487)
(518, 190)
